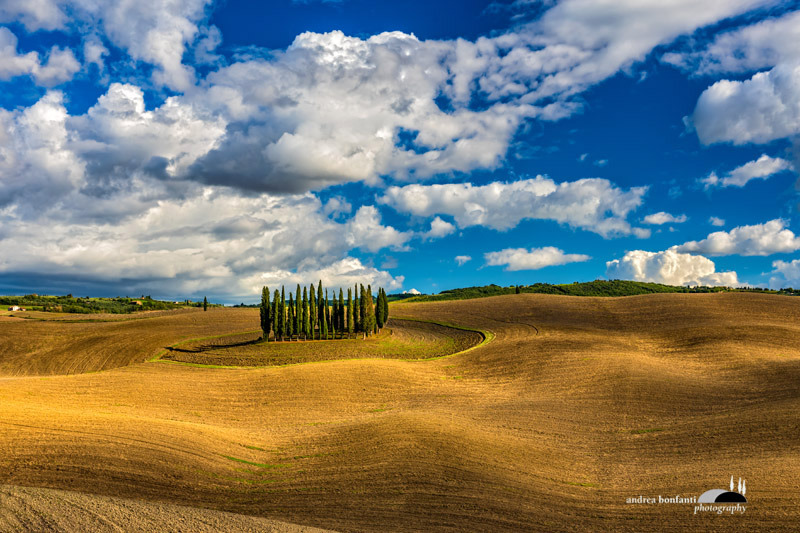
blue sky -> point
(209, 148)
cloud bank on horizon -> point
(140, 153)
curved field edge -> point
(487, 336)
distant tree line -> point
(592, 288)
(86, 305)
(314, 314)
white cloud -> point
(365, 231)
(341, 274)
(591, 204)
(333, 109)
(785, 274)
(337, 206)
(762, 168)
(533, 259)
(439, 228)
(60, 66)
(670, 268)
(756, 110)
(211, 241)
(755, 47)
(716, 221)
(664, 218)
(412, 291)
(759, 110)
(759, 239)
(152, 31)
(461, 259)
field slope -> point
(576, 405)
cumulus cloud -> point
(341, 274)
(756, 110)
(533, 259)
(716, 221)
(664, 218)
(785, 274)
(762, 168)
(59, 67)
(365, 231)
(412, 291)
(754, 47)
(669, 267)
(439, 228)
(461, 259)
(214, 241)
(152, 31)
(759, 239)
(333, 109)
(591, 204)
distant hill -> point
(591, 288)
(71, 304)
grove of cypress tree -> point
(265, 314)
(349, 312)
(304, 318)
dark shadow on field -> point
(206, 347)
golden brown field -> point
(576, 405)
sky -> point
(197, 148)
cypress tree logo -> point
(725, 496)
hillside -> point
(592, 288)
(576, 405)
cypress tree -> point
(312, 311)
(321, 305)
(205, 303)
(305, 314)
(282, 312)
(349, 312)
(265, 315)
(323, 316)
(334, 312)
(362, 311)
(276, 304)
(297, 318)
(340, 318)
(356, 307)
(290, 318)
(379, 310)
(369, 313)
(385, 307)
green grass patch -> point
(259, 465)
(643, 431)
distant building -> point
(15, 308)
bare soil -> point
(577, 405)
